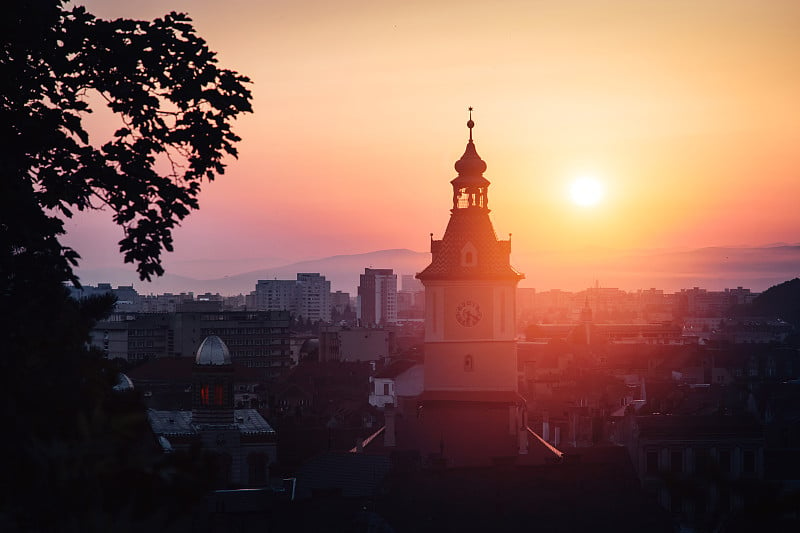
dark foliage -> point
(175, 108)
(77, 455)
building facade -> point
(342, 343)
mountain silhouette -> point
(713, 268)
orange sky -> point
(688, 111)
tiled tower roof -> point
(470, 228)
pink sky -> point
(686, 111)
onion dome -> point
(213, 351)
(470, 163)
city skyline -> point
(345, 335)
(684, 113)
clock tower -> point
(470, 346)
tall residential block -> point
(309, 296)
(377, 297)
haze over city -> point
(683, 115)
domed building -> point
(243, 442)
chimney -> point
(523, 440)
(389, 440)
(546, 426)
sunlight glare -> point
(586, 191)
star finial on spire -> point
(470, 123)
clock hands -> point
(468, 314)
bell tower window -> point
(219, 397)
(466, 197)
(204, 395)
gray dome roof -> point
(123, 384)
(213, 351)
(310, 346)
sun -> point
(586, 191)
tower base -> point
(470, 429)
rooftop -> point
(179, 422)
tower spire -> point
(470, 124)
(469, 187)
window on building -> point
(725, 461)
(700, 505)
(219, 398)
(676, 461)
(222, 468)
(386, 389)
(652, 462)
(749, 462)
(771, 367)
(752, 367)
(701, 461)
(204, 399)
(724, 499)
(257, 468)
(676, 502)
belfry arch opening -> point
(466, 197)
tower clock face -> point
(468, 313)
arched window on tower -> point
(219, 398)
(469, 255)
(466, 197)
(204, 394)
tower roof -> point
(469, 248)
(470, 229)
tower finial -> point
(470, 124)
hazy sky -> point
(688, 112)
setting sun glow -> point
(586, 191)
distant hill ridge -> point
(341, 270)
(781, 301)
(714, 268)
